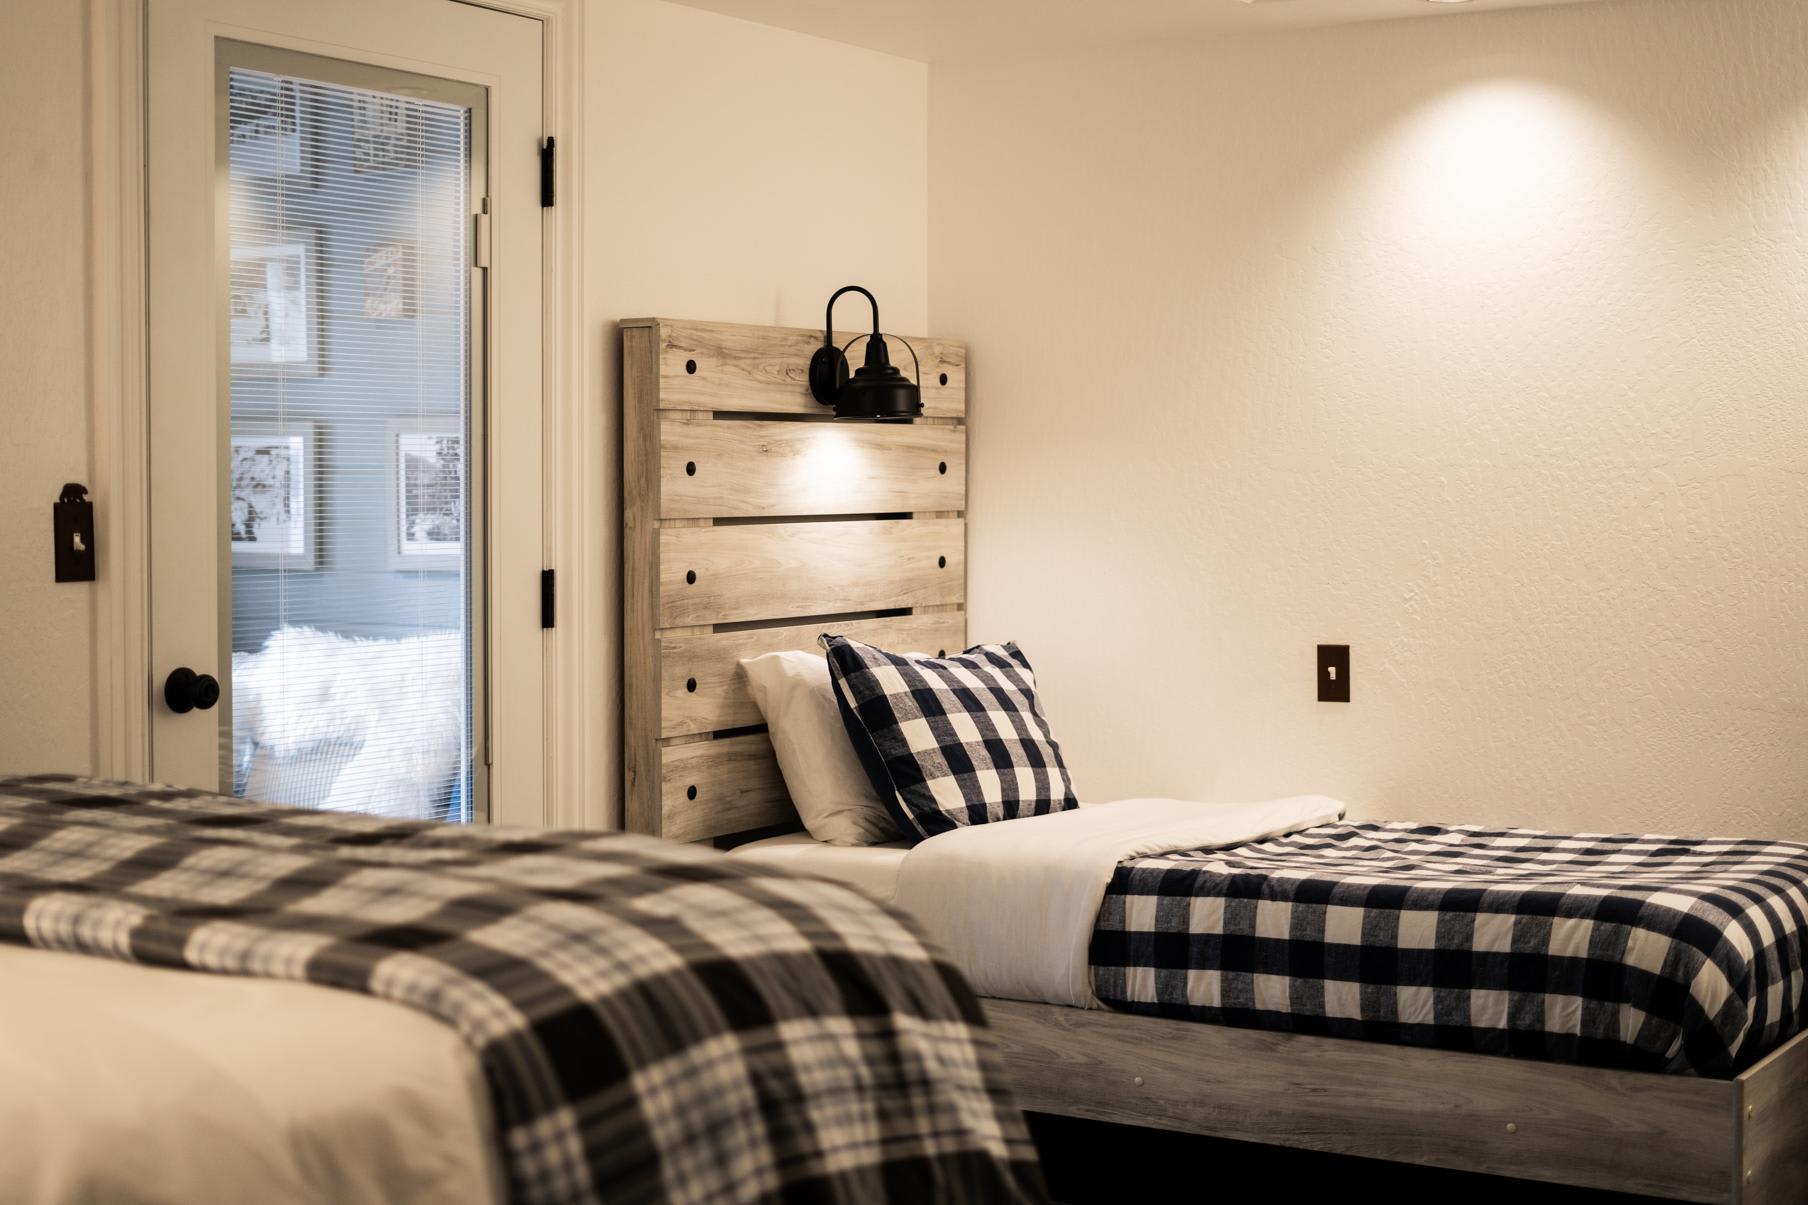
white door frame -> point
(576, 794)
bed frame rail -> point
(1743, 1141)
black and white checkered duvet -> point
(1651, 953)
(657, 1022)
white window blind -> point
(351, 496)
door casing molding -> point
(119, 390)
(118, 355)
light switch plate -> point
(1333, 673)
(72, 523)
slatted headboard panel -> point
(753, 523)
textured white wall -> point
(730, 176)
(46, 664)
(1479, 344)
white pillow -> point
(832, 793)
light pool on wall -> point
(1493, 162)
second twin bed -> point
(1617, 1011)
(1648, 953)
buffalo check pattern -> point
(657, 1022)
(949, 741)
(1641, 952)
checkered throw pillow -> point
(949, 741)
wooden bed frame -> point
(1743, 1140)
(753, 523)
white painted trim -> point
(578, 796)
(118, 388)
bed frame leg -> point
(1773, 1129)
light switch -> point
(1333, 673)
(72, 522)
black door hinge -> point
(548, 175)
(549, 595)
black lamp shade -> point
(878, 391)
(891, 396)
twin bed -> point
(1648, 954)
(1621, 1013)
(1608, 1012)
(1604, 1011)
(398, 1011)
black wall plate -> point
(1333, 673)
(72, 524)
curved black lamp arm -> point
(828, 367)
(828, 317)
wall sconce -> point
(878, 390)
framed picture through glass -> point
(274, 487)
(275, 312)
(265, 127)
(427, 493)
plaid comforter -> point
(1652, 953)
(657, 1022)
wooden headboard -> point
(753, 523)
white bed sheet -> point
(125, 1083)
(871, 869)
(1014, 903)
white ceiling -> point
(950, 29)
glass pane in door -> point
(353, 529)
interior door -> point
(345, 255)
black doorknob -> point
(185, 690)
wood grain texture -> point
(1671, 1136)
(781, 469)
(780, 570)
(763, 369)
(716, 788)
(1773, 1169)
(641, 767)
(703, 688)
(684, 384)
